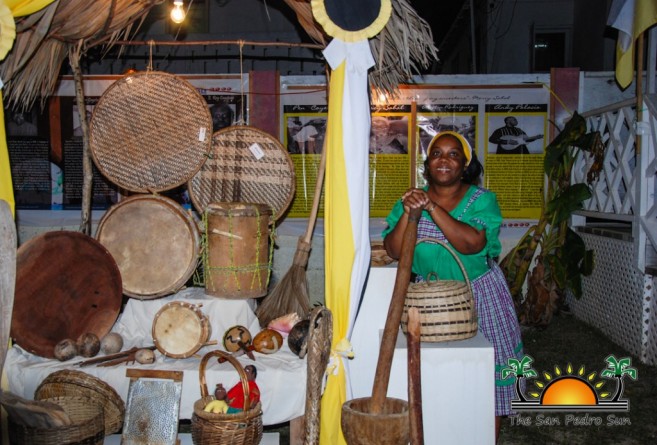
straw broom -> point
(291, 293)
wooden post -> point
(413, 147)
(74, 55)
(639, 90)
(414, 377)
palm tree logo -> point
(570, 388)
(618, 369)
(520, 369)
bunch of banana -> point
(216, 407)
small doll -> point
(235, 397)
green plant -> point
(563, 258)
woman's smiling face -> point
(446, 160)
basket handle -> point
(233, 361)
(451, 251)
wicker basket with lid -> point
(447, 307)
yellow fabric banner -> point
(346, 217)
(632, 18)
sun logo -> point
(570, 389)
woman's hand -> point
(414, 199)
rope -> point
(242, 121)
(556, 96)
(151, 43)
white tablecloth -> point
(281, 376)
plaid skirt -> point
(498, 322)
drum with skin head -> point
(180, 329)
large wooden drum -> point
(155, 243)
(237, 261)
(180, 329)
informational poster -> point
(390, 168)
(104, 193)
(515, 143)
(304, 127)
(29, 157)
(303, 130)
(512, 158)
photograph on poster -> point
(225, 109)
(21, 123)
(389, 134)
(430, 124)
(305, 134)
(515, 134)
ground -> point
(569, 341)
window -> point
(550, 50)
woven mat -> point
(150, 132)
(245, 165)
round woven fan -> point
(245, 165)
(150, 131)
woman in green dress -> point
(467, 218)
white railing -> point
(625, 190)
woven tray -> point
(87, 426)
(150, 131)
(245, 165)
(71, 383)
(67, 284)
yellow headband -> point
(467, 149)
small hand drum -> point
(180, 329)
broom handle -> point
(387, 348)
(318, 194)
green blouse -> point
(482, 213)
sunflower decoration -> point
(7, 30)
(9, 10)
(352, 21)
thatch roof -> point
(46, 38)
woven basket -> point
(244, 428)
(71, 383)
(447, 307)
(87, 425)
(150, 132)
(245, 165)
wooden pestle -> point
(414, 377)
(384, 363)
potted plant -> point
(562, 257)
